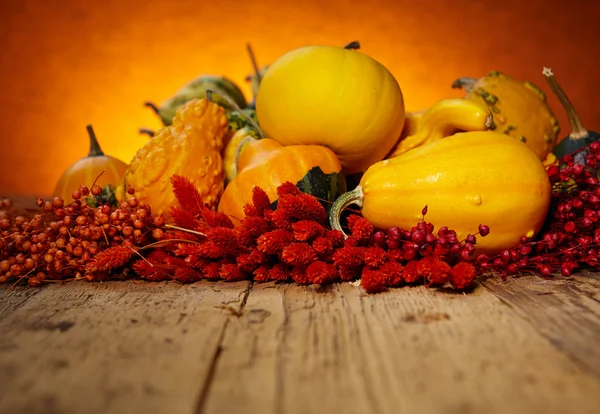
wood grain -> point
(117, 347)
(412, 350)
(565, 311)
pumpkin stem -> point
(351, 197)
(95, 150)
(254, 64)
(464, 83)
(146, 131)
(577, 129)
(238, 151)
(152, 106)
(254, 125)
(352, 45)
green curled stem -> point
(355, 196)
(238, 151)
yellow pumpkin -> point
(519, 108)
(332, 96)
(465, 180)
(268, 164)
(444, 118)
(86, 170)
(189, 147)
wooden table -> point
(525, 346)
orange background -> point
(67, 63)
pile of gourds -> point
(322, 114)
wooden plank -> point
(566, 311)
(13, 297)
(119, 347)
(411, 350)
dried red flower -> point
(411, 274)
(211, 271)
(298, 254)
(288, 189)
(280, 272)
(186, 193)
(307, 230)
(260, 200)
(299, 276)
(393, 272)
(231, 273)
(372, 280)
(184, 218)
(274, 241)
(374, 256)
(463, 275)
(187, 275)
(320, 272)
(111, 258)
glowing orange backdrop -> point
(67, 63)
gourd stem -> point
(95, 150)
(153, 107)
(577, 129)
(231, 102)
(146, 131)
(254, 64)
(464, 83)
(238, 151)
(351, 197)
(353, 45)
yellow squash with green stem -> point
(465, 180)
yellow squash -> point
(467, 179)
(332, 96)
(519, 109)
(189, 147)
(444, 118)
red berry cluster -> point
(62, 241)
(570, 238)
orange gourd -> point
(465, 180)
(519, 109)
(104, 170)
(266, 163)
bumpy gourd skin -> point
(519, 109)
(330, 96)
(465, 180)
(190, 147)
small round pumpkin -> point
(519, 109)
(88, 170)
(465, 180)
(332, 96)
(268, 164)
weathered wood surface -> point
(525, 346)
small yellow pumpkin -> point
(332, 96)
(444, 118)
(519, 108)
(86, 170)
(465, 180)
